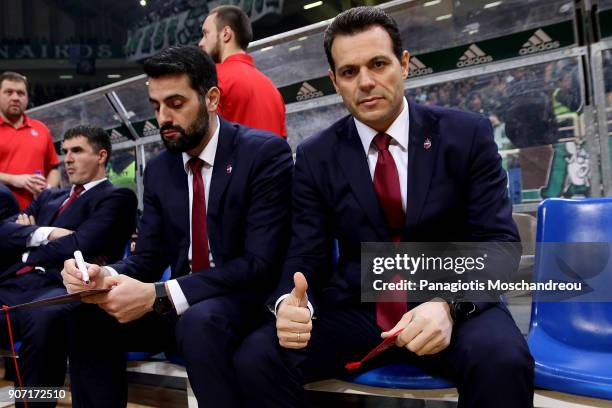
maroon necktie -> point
(387, 187)
(199, 234)
(78, 189)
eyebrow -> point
(167, 98)
(374, 58)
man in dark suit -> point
(216, 209)
(8, 203)
(391, 171)
(92, 216)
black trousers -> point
(488, 359)
(206, 336)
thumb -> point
(111, 281)
(406, 318)
(300, 288)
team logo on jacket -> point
(34, 132)
(427, 144)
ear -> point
(405, 63)
(102, 156)
(332, 76)
(212, 99)
(226, 34)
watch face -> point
(162, 305)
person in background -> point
(248, 96)
(28, 162)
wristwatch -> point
(461, 310)
(162, 302)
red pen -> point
(385, 344)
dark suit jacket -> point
(456, 193)
(8, 203)
(103, 219)
(248, 217)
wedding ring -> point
(298, 340)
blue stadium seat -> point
(399, 375)
(572, 341)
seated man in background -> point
(391, 171)
(216, 208)
(92, 216)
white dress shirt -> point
(40, 236)
(399, 151)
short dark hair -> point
(97, 137)
(238, 21)
(357, 20)
(184, 59)
(13, 76)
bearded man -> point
(216, 210)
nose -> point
(164, 116)
(201, 44)
(365, 80)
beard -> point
(13, 113)
(215, 53)
(191, 137)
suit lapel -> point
(49, 209)
(221, 175)
(76, 206)
(222, 169)
(422, 153)
(354, 163)
(178, 188)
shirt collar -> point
(90, 185)
(398, 130)
(241, 57)
(209, 152)
(24, 123)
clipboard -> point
(59, 300)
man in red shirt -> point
(28, 162)
(248, 96)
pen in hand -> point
(78, 257)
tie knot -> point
(381, 141)
(78, 189)
(195, 164)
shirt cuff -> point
(280, 299)
(177, 296)
(39, 237)
(110, 270)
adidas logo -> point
(307, 91)
(417, 68)
(539, 41)
(149, 129)
(473, 56)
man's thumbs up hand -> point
(293, 319)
